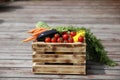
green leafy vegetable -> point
(42, 25)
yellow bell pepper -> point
(79, 33)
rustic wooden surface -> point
(101, 16)
(59, 58)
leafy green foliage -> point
(94, 49)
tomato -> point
(72, 33)
(60, 40)
(57, 36)
(64, 32)
(47, 39)
(53, 40)
(70, 40)
(70, 36)
(65, 36)
(81, 39)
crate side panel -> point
(59, 69)
(60, 58)
(59, 47)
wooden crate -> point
(59, 58)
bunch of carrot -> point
(35, 33)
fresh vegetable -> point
(72, 33)
(81, 39)
(32, 30)
(39, 32)
(62, 29)
(57, 36)
(80, 33)
(30, 38)
(35, 32)
(65, 36)
(53, 40)
(65, 32)
(42, 25)
(48, 33)
(70, 40)
(47, 39)
(60, 40)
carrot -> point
(35, 30)
(32, 30)
(37, 33)
(29, 39)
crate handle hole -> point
(59, 63)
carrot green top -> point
(41, 24)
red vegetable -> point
(64, 32)
(81, 39)
(65, 36)
(70, 40)
(56, 36)
(53, 39)
(47, 39)
(60, 40)
(72, 33)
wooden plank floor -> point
(101, 16)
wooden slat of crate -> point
(59, 58)
(59, 69)
(58, 47)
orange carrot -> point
(37, 30)
(37, 33)
(32, 30)
(29, 39)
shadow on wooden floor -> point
(1, 21)
(95, 68)
(7, 8)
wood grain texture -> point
(58, 47)
(59, 69)
(101, 16)
(60, 57)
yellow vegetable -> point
(79, 33)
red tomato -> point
(81, 39)
(47, 39)
(70, 36)
(65, 36)
(64, 32)
(57, 36)
(70, 40)
(72, 33)
(53, 40)
(59, 40)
